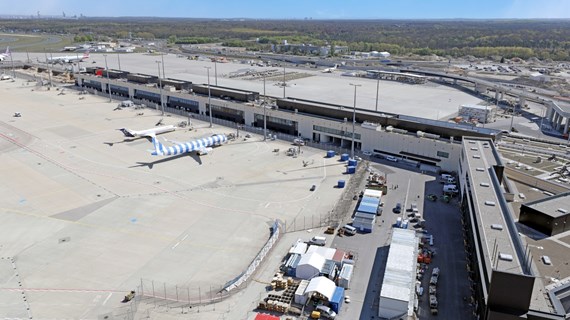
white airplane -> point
(5, 55)
(69, 59)
(330, 70)
(201, 146)
(146, 133)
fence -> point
(161, 294)
(308, 222)
(128, 310)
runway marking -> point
(107, 299)
(176, 245)
(185, 237)
(267, 205)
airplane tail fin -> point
(7, 51)
(128, 133)
(158, 147)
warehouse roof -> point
(399, 278)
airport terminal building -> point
(433, 144)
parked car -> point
(391, 158)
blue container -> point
(352, 163)
(344, 157)
(350, 169)
(330, 153)
(341, 183)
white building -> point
(481, 114)
(398, 287)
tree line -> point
(544, 39)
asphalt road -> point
(371, 250)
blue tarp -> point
(337, 299)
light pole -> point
(264, 111)
(160, 87)
(163, 73)
(353, 119)
(49, 69)
(512, 119)
(108, 79)
(284, 84)
(209, 97)
(377, 91)
(119, 60)
(12, 60)
(216, 72)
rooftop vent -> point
(490, 203)
(474, 149)
(497, 226)
(505, 257)
(484, 184)
(562, 210)
(476, 156)
(480, 169)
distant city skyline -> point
(297, 9)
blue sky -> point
(297, 9)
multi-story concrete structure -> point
(505, 282)
(435, 144)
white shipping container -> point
(345, 276)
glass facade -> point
(346, 134)
(225, 110)
(183, 104)
(150, 96)
(280, 121)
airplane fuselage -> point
(201, 146)
(144, 133)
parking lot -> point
(443, 221)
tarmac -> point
(430, 100)
(88, 216)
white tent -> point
(309, 266)
(327, 253)
(322, 285)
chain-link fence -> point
(306, 222)
(160, 294)
(128, 310)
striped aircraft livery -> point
(202, 146)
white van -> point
(445, 178)
(450, 188)
(318, 241)
(348, 229)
